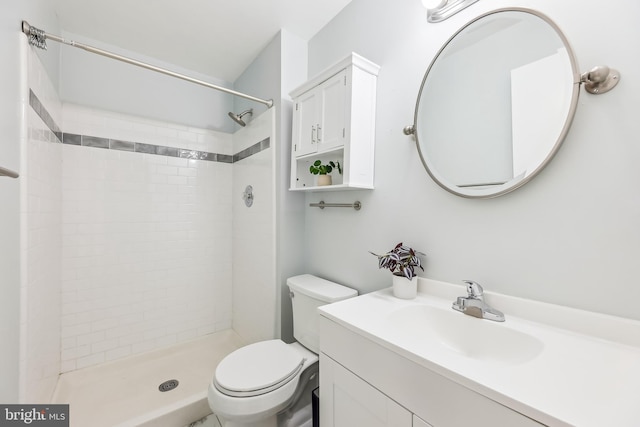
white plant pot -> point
(324, 180)
(405, 288)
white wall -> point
(279, 68)
(99, 82)
(135, 274)
(255, 295)
(13, 107)
(253, 230)
(290, 259)
(41, 220)
(145, 241)
(571, 236)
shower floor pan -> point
(126, 392)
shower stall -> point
(135, 236)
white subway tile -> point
(167, 170)
(103, 346)
(67, 343)
(75, 330)
(138, 240)
(156, 160)
(179, 162)
(129, 339)
(75, 352)
(68, 365)
(143, 346)
(91, 360)
(117, 353)
(178, 180)
(91, 338)
(104, 324)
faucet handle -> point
(474, 290)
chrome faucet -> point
(473, 304)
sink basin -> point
(559, 366)
(464, 335)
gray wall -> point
(95, 81)
(290, 214)
(279, 68)
(12, 102)
(571, 236)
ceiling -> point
(218, 38)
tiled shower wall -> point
(146, 238)
(41, 213)
(128, 234)
(254, 284)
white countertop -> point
(585, 373)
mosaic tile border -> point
(42, 112)
(138, 147)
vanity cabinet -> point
(365, 383)
(334, 120)
(347, 401)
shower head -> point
(238, 117)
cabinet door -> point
(305, 123)
(332, 114)
(348, 401)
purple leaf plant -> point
(401, 261)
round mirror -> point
(496, 103)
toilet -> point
(255, 383)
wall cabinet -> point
(334, 120)
(320, 117)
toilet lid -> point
(258, 368)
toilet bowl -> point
(255, 383)
(258, 383)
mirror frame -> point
(513, 184)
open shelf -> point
(305, 180)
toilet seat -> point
(258, 368)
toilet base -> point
(268, 422)
(298, 411)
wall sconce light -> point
(439, 10)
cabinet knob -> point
(313, 134)
(319, 133)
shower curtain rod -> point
(37, 38)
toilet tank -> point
(309, 292)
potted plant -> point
(317, 168)
(402, 261)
